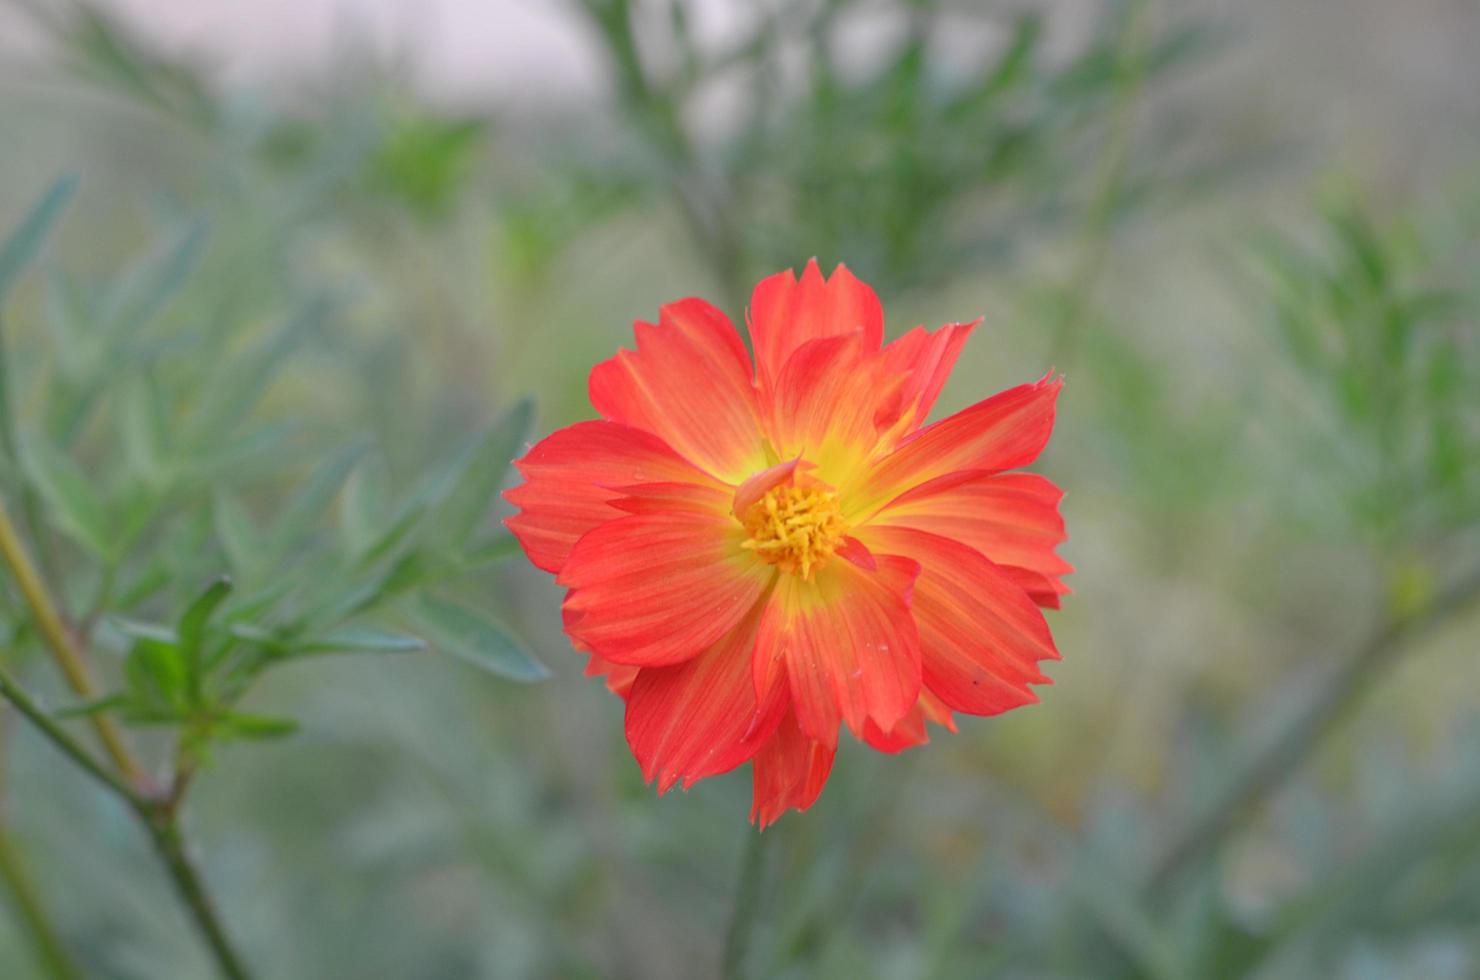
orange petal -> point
(570, 480)
(666, 498)
(980, 635)
(926, 358)
(1004, 432)
(911, 730)
(619, 677)
(831, 404)
(700, 718)
(907, 733)
(786, 313)
(688, 382)
(658, 588)
(788, 772)
(1012, 518)
(847, 643)
(762, 483)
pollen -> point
(797, 529)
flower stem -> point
(745, 915)
(73, 749)
(164, 829)
(1272, 767)
(59, 641)
(50, 952)
(160, 818)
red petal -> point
(619, 677)
(762, 483)
(980, 635)
(688, 382)
(1012, 518)
(907, 733)
(926, 358)
(848, 645)
(658, 588)
(911, 730)
(785, 314)
(667, 498)
(831, 403)
(570, 478)
(788, 773)
(700, 718)
(1004, 432)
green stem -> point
(73, 749)
(160, 818)
(1094, 246)
(164, 830)
(746, 913)
(60, 642)
(50, 952)
(1273, 766)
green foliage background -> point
(267, 353)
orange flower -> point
(757, 554)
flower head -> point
(759, 553)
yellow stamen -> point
(797, 529)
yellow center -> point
(795, 528)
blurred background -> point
(1247, 232)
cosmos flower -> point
(761, 553)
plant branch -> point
(73, 749)
(60, 642)
(50, 952)
(746, 913)
(1273, 766)
(164, 830)
(160, 817)
(1097, 232)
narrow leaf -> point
(68, 495)
(484, 473)
(463, 633)
(364, 639)
(192, 631)
(25, 242)
(238, 725)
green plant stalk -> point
(707, 215)
(1270, 768)
(50, 953)
(1094, 241)
(164, 830)
(160, 818)
(59, 642)
(745, 915)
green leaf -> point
(142, 428)
(236, 532)
(364, 639)
(68, 495)
(463, 633)
(492, 551)
(248, 726)
(25, 242)
(192, 632)
(156, 675)
(483, 473)
(316, 495)
(145, 293)
(362, 517)
(239, 389)
(153, 577)
(88, 708)
(136, 629)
